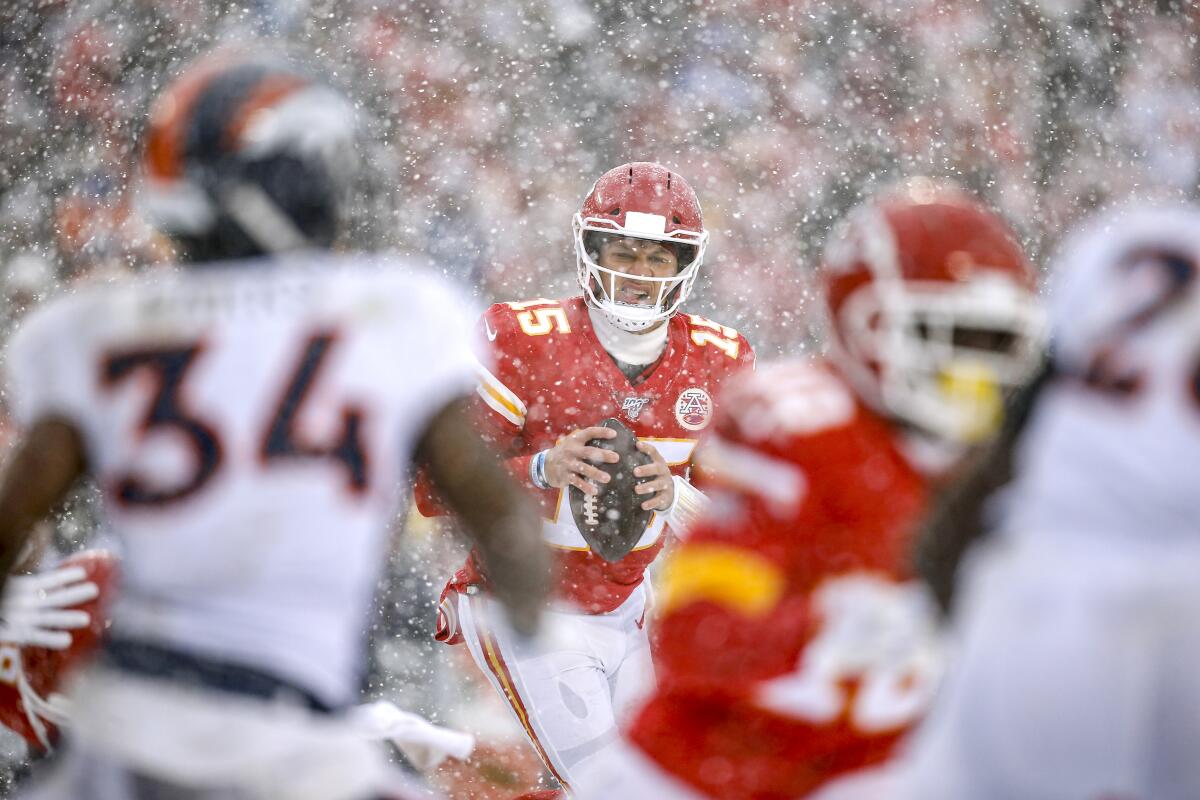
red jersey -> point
(792, 649)
(551, 376)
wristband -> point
(537, 470)
(689, 504)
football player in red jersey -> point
(795, 651)
(620, 349)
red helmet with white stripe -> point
(641, 200)
(932, 308)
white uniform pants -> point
(1078, 679)
(572, 686)
(625, 772)
(133, 737)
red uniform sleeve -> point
(746, 356)
(731, 612)
(736, 594)
(498, 408)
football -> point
(43, 671)
(613, 521)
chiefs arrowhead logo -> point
(694, 409)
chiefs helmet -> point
(932, 309)
(31, 676)
(641, 200)
(245, 156)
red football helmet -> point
(641, 200)
(30, 676)
(932, 308)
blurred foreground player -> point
(1080, 623)
(622, 350)
(250, 420)
(795, 651)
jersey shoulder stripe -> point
(499, 397)
(722, 573)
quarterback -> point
(622, 349)
(795, 649)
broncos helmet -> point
(246, 156)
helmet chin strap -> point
(628, 347)
(628, 325)
(933, 455)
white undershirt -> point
(636, 349)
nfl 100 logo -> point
(632, 406)
(694, 408)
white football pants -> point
(132, 737)
(1078, 678)
(571, 687)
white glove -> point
(424, 744)
(36, 609)
(689, 505)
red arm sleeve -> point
(498, 410)
(731, 614)
(735, 604)
(746, 356)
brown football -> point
(613, 521)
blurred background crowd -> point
(485, 122)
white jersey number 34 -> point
(168, 411)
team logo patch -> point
(694, 408)
(632, 406)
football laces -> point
(591, 513)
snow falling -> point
(484, 123)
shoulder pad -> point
(784, 400)
(705, 333)
(531, 318)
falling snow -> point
(484, 123)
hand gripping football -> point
(613, 521)
(32, 676)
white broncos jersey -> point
(251, 427)
(1112, 453)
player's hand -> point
(660, 484)
(425, 744)
(569, 463)
(36, 609)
